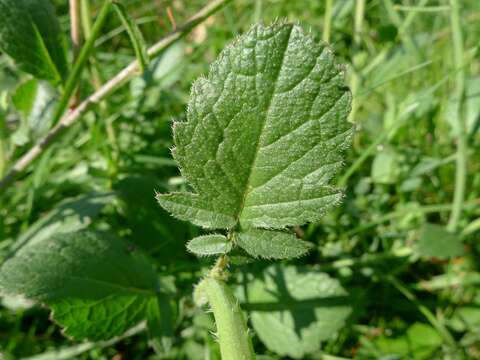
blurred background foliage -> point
(414, 287)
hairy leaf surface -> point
(264, 134)
(31, 35)
(209, 245)
(97, 285)
(272, 244)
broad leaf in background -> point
(467, 316)
(385, 167)
(265, 133)
(472, 107)
(293, 310)
(70, 215)
(31, 35)
(160, 74)
(96, 285)
(436, 241)
(36, 101)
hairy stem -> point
(461, 165)
(107, 89)
(232, 331)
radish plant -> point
(264, 136)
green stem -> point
(461, 165)
(76, 38)
(357, 38)
(327, 21)
(235, 342)
(2, 144)
(112, 150)
(359, 17)
(87, 31)
(74, 76)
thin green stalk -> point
(421, 8)
(87, 31)
(111, 150)
(136, 37)
(461, 165)
(359, 16)
(74, 76)
(257, 12)
(76, 38)
(432, 319)
(474, 226)
(327, 20)
(235, 342)
(75, 28)
(85, 19)
(355, 78)
(2, 144)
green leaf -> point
(436, 241)
(70, 215)
(419, 342)
(31, 35)
(96, 284)
(161, 325)
(24, 96)
(294, 309)
(36, 100)
(272, 244)
(209, 245)
(187, 206)
(264, 135)
(385, 167)
(467, 316)
(136, 37)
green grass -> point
(404, 71)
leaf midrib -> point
(258, 147)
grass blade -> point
(136, 37)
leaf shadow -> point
(70, 215)
(302, 311)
